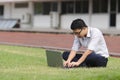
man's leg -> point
(93, 60)
(65, 56)
(96, 60)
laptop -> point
(54, 58)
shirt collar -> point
(88, 33)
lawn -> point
(26, 63)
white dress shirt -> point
(93, 41)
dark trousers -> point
(92, 60)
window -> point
(1, 10)
(70, 7)
(44, 7)
(100, 6)
(113, 13)
(113, 5)
(21, 5)
(67, 7)
(54, 6)
(82, 6)
(112, 20)
(119, 6)
(76, 6)
(37, 8)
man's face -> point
(78, 33)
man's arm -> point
(84, 56)
(71, 56)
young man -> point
(96, 54)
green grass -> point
(25, 63)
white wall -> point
(41, 21)
(100, 21)
(21, 13)
(118, 22)
(25, 14)
(66, 20)
(7, 10)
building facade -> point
(103, 14)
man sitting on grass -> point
(96, 54)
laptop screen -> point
(54, 58)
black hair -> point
(78, 24)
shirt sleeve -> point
(94, 42)
(76, 44)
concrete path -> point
(47, 40)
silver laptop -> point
(54, 58)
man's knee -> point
(95, 60)
(65, 55)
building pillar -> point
(90, 12)
(59, 12)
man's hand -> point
(66, 63)
(70, 64)
(73, 64)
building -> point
(104, 14)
